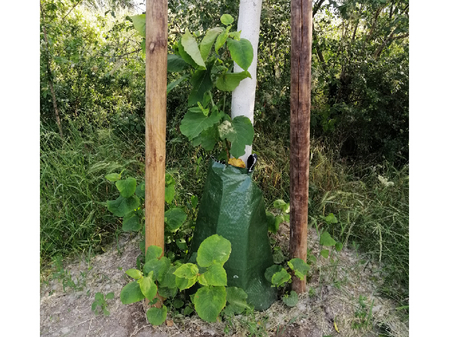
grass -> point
(372, 211)
(371, 203)
(73, 189)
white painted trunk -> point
(243, 97)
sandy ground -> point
(331, 302)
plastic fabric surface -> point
(232, 206)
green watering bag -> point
(232, 206)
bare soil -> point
(330, 305)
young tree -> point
(243, 97)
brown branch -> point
(72, 9)
(317, 6)
(50, 76)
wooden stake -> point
(155, 120)
(301, 39)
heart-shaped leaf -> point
(131, 222)
(209, 302)
(299, 267)
(290, 300)
(213, 249)
(157, 316)
(241, 52)
(131, 293)
(122, 206)
(214, 276)
(175, 218)
(229, 81)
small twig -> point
(72, 9)
(134, 333)
(87, 333)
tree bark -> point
(301, 38)
(50, 75)
(155, 120)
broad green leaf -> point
(169, 278)
(187, 271)
(326, 240)
(280, 278)
(282, 205)
(169, 193)
(113, 177)
(139, 23)
(122, 206)
(331, 219)
(109, 296)
(188, 310)
(153, 252)
(191, 48)
(226, 19)
(290, 300)
(235, 35)
(126, 187)
(208, 41)
(134, 273)
(213, 249)
(271, 221)
(184, 283)
(299, 267)
(175, 63)
(278, 256)
(201, 83)
(105, 312)
(207, 139)
(221, 39)
(177, 303)
(209, 302)
(185, 55)
(157, 316)
(131, 293)
(339, 246)
(241, 52)
(173, 84)
(148, 287)
(140, 191)
(175, 218)
(131, 222)
(158, 267)
(99, 297)
(325, 253)
(194, 201)
(215, 276)
(194, 123)
(268, 274)
(169, 180)
(243, 135)
(229, 81)
(237, 299)
(167, 292)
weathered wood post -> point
(155, 120)
(301, 38)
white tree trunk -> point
(243, 97)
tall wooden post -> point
(155, 120)
(301, 39)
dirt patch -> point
(341, 296)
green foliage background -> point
(359, 119)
